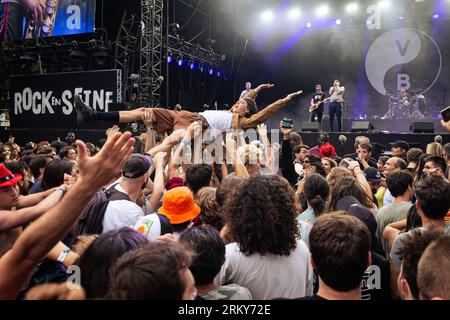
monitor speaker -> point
(422, 127)
(310, 127)
(361, 126)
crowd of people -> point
(148, 217)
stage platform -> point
(380, 140)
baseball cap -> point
(179, 205)
(372, 174)
(136, 166)
(401, 144)
(353, 207)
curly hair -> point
(261, 216)
(413, 246)
(211, 215)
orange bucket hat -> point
(179, 205)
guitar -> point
(316, 105)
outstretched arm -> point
(41, 236)
(14, 219)
(265, 114)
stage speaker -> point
(422, 127)
(361, 126)
(310, 127)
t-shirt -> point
(121, 213)
(375, 284)
(229, 292)
(337, 94)
(305, 229)
(149, 226)
(37, 187)
(308, 216)
(243, 93)
(219, 121)
(398, 243)
(270, 276)
(389, 214)
(317, 97)
(388, 198)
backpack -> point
(91, 221)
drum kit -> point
(405, 106)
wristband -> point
(185, 142)
(63, 255)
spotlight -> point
(436, 16)
(352, 7)
(384, 4)
(267, 16)
(211, 71)
(322, 11)
(294, 14)
(401, 18)
(219, 74)
(309, 25)
(202, 67)
(169, 59)
(180, 62)
(175, 29)
(192, 65)
(338, 22)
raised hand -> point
(265, 86)
(289, 97)
(105, 165)
(262, 129)
(147, 117)
(285, 131)
(112, 131)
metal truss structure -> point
(127, 53)
(151, 51)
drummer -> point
(404, 97)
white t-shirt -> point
(149, 226)
(270, 276)
(121, 213)
(219, 121)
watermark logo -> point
(403, 58)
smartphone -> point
(287, 123)
(446, 114)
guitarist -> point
(317, 98)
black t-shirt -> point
(319, 97)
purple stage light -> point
(169, 59)
(436, 16)
(180, 62)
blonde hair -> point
(435, 149)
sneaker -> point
(84, 112)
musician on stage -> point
(335, 107)
(248, 88)
(404, 97)
(317, 97)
